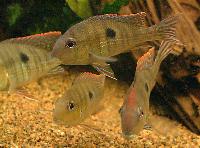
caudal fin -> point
(165, 49)
(166, 30)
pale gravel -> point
(24, 123)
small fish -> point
(26, 59)
(95, 40)
(81, 100)
(135, 109)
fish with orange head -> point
(135, 112)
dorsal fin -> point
(87, 77)
(44, 40)
(147, 60)
(137, 20)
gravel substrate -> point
(25, 122)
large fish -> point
(25, 59)
(94, 40)
(83, 99)
(135, 109)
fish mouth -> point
(128, 135)
(61, 123)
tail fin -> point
(166, 30)
(165, 49)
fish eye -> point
(71, 106)
(70, 43)
(120, 110)
(140, 112)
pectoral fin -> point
(56, 70)
(23, 92)
(93, 128)
(100, 59)
(105, 69)
(99, 63)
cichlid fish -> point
(95, 40)
(135, 109)
(81, 100)
(25, 59)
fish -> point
(94, 41)
(82, 99)
(134, 112)
(81, 7)
(25, 59)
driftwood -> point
(184, 104)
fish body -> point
(81, 100)
(87, 42)
(135, 109)
(25, 59)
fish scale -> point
(4, 76)
(36, 63)
(24, 59)
(75, 93)
(13, 69)
(83, 96)
(20, 71)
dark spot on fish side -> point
(146, 87)
(110, 33)
(24, 57)
(90, 95)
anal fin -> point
(99, 63)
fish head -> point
(72, 47)
(67, 111)
(132, 116)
